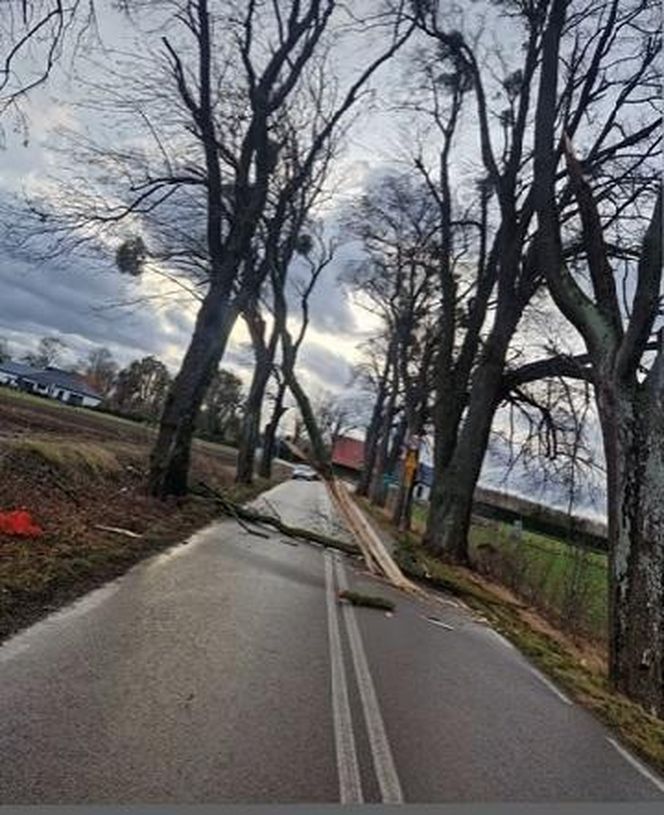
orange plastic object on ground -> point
(19, 522)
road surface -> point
(225, 671)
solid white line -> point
(502, 639)
(350, 786)
(550, 685)
(386, 772)
(437, 622)
(658, 782)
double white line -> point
(350, 785)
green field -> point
(567, 582)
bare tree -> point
(228, 73)
(335, 415)
(32, 37)
(373, 374)
(597, 103)
(49, 352)
(396, 221)
(279, 408)
(628, 380)
(289, 234)
(100, 370)
(318, 259)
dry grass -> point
(68, 456)
(75, 471)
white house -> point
(51, 382)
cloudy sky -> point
(90, 304)
(82, 303)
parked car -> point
(304, 473)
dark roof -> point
(65, 379)
(54, 376)
(15, 368)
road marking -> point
(386, 772)
(543, 679)
(350, 787)
(436, 621)
(501, 639)
(658, 782)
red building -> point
(348, 453)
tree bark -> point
(371, 441)
(250, 433)
(449, 521)
(633, 429)
(320, 453)
(169, 463)
(460, 453)
(270, 435)
(373, 431)
(264, 358)
(370, 449)
(378, 490)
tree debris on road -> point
(375, 553)
(368, 600)
(244, 516)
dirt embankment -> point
(76, 471)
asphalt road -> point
(225, 671)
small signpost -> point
(410, 466)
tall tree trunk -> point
(270, 435)
(633, 429)
(446, 430)
(405, 490)
(319, 450)
(447, 532)
(264, 358)
(371, 444)
(251, 421)
(378, 490)
(373, 431)
(460, 455)
(398, 441)
(169, 463)
(320, 453)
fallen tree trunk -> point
(372, 546)
(244, 515)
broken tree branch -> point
(244, 515)
(373, 549)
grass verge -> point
(568, 583)
(574, 664)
